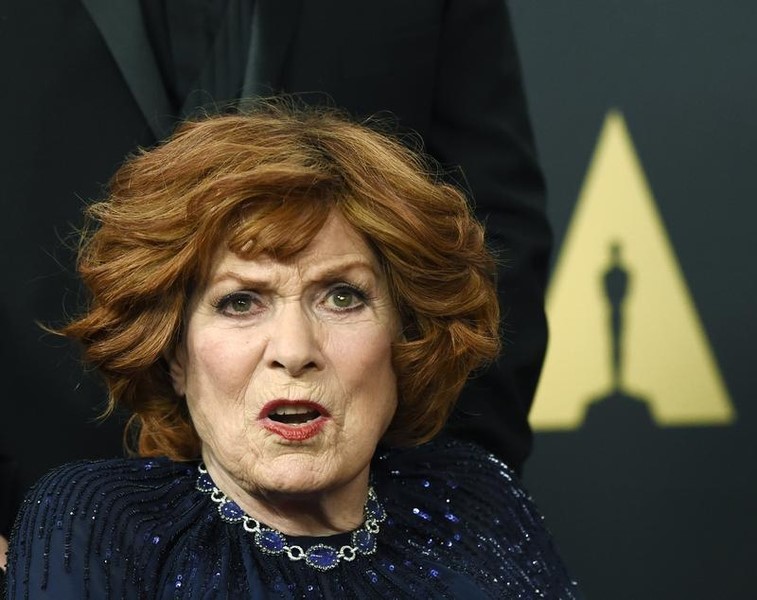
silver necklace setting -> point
(322, 557)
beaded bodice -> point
(457, 524)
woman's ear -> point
(177, 370)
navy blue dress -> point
(448, 520)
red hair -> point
(265, 182)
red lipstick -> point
(294, 420)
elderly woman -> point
(288, 305)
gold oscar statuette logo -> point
(623, 324)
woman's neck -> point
(317, 513)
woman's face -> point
(286, 366)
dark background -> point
(641, 511)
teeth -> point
(293, 414)
(291, 410)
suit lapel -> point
(273, 26)
(121, 25)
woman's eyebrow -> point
(254, 281)
(340, 269)
(316, 272)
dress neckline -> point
(318, 555)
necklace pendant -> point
(322, 557)
(270, 541)
(364, 541)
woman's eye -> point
(237, 303)
(345, 298)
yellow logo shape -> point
(622, 321)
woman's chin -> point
(305, 475)
(297, 475)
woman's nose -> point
(294, 344)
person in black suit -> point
(88, 81)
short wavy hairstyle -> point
(264, 181)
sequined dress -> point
(452, 521)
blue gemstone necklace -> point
(270, 541)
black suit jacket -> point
(82, 89)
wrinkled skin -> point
(316, 329)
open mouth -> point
(293, 415)
(294, 420)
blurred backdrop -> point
(647, 426)
(646, 423)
